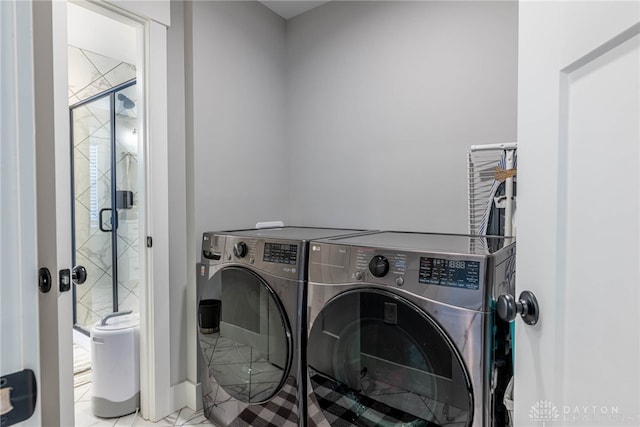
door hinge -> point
(149, 241)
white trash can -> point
(115, 365)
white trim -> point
(156, 10)
(187, 394)
(155, 344)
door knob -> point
(44, 280)
(79, 274)
(526, 306)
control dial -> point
(240, 249)
(379, 266)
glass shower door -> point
(126, 192)
(104, 155)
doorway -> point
(103, 63)
(47, 42)
(104, 146)
(107, 186)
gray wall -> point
(236, 153)
(384, 100)
(240, 154)
(353, 114)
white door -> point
(53, 209)
(19, 346)
(579, 213)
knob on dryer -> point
(379, 266)
(240, 249)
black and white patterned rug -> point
(280, 411)
(334, 404)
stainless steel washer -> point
(250, 362)
(402, 330)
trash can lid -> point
(119, 322)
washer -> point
(402, 330)
(250, 362)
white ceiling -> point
(289, 9)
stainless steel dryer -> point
(402, 330)
(249, 363)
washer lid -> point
(119, 322)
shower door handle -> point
(113, 219)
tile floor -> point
(85, 418)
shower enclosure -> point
(104, 147)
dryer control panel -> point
(277, 257)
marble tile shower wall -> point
(90, 74)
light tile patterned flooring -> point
(84, 415)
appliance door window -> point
(249, 354)
(374, 356)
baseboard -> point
(184, 394)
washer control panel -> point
(440, 276)
(369, 261)
(448, 272)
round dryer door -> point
(377, 359)
(246, 342)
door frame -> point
(54, 202)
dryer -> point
(402, 330)
(250, 360)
